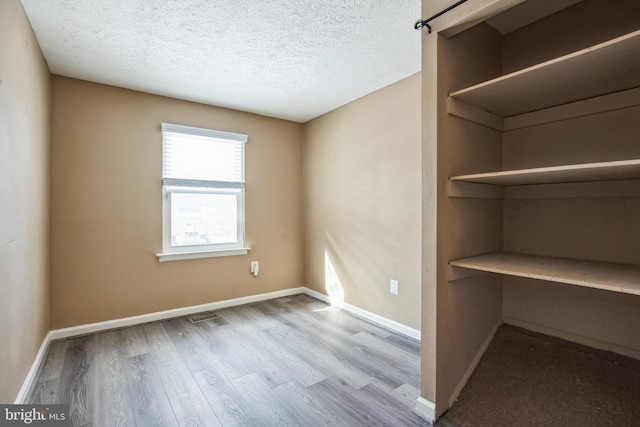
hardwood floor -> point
(286, 362)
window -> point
(203, 189)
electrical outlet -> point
(255, 267)
(393, 287)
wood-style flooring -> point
(285, 362)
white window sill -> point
(176, 256)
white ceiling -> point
(292, 59)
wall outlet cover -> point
(393, 287)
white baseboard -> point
(168, 314)
(185, 311)
(426, 410)
(375, 318)
(473, 365)
(28, 382)
(90, 328)
(558, 333)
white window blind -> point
(203, 188)
(197, 157)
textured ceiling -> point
(292, 59)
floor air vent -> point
(203, 317)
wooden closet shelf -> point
(605, 68)
(603, 171)
(598, 275)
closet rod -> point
(421, 24)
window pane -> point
(203, 218)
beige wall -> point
(594, 223)
(565, 31)
(106, 218)
(443, 331)
(24, 195)
(469, 309)
(363, 201)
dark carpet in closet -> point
(529, 379)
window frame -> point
(188, 186)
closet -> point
(596, 81)
(538, 182)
